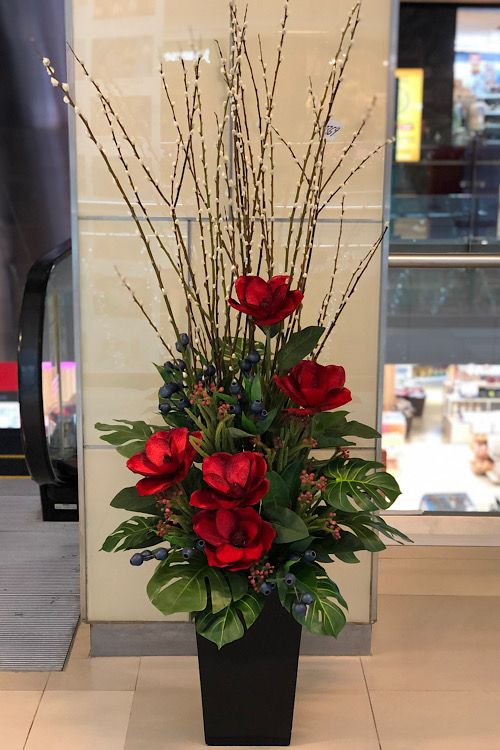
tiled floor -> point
(433, 682)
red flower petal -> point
(152, 485)
(226, 553)
(226, 522)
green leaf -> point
(278, 491)
(136, 533)
(131, 435)
(264, 424)
(365, 526)
(248, 425)
(288, 525)
(179, 538)
(329, 429)
(229, 624)
(343, 548)
(291, 476)
(299, 345)
(235, 432)
(179, 586)
(227, 399)
(192, 481)
(238, 583)
(324, 616)
(220, 592)
(256, 389)
(176, 419)
(355, 485)
(129, 499)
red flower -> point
(165, 460)
(234, 539)
(267, 302)
(233, 481)
(314, 387)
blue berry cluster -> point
(139, 557)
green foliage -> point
(329, 429)
(343, 548)
(256, 389)
(126, 436)
(356, 485)
(238, 583)
(136, 533)
(324, 616)
(231, 623)
(278, 491)
(264, 424)
(179, 538)
(299, 345)
(183, 586)
(291, 476)
(288, 525)
(129, 499)
(192, 481)
(365, 526)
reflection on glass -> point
(58, 366)
(441, 435)
(448, 199)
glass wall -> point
(441, 413)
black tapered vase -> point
(248, 686)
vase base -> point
(248, 741)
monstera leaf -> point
(125, 436)
(356, 485)
(136, 533)
(180, 586)
(325, 615)
(230, 623)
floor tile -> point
(435, 643)
(437, 720)
(17, 710)
(446, 576)
(80, 648)
(81, 720)
(332, 708)
(100, 673)
(23, 680)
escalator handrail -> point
(29, 358)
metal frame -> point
(444, 260)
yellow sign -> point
(409, 115)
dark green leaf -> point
(256, 389)
(229, 624)
(291, 476)
(129, 499)
(329, 429)
(248, 425)
(136, 533)
(264, 424)
(238, 583)
(192, 481)
(179, 538)
(288, 525)
(177, 419)
(278, 490)
(240, 434)
(356, 485)
(299, 345)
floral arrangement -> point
(233, 501)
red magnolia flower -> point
(234, 539)
(233, 481)
(314, 387)
(267, 302)
(165, 460)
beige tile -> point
(23, 680)
(445, 576)
(437, 720)
(99, 673)
(331, 703)
(81, 720)
(435, 643)
(431, 552)
(80, 648)
(17, 710)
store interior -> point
(441, 436)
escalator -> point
(47, 383)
